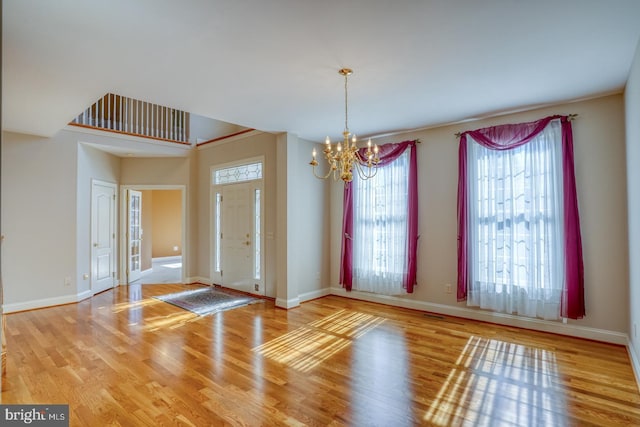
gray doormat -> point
(205, 301)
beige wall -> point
(38, 211)
(632, 105)
(601, 184)
(50, 174)
(302, 224)
(210, 155)
(155, 171)
(92, 164)
(167, 223)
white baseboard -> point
(86, 294)
(463, 312)
(45, 302)
(491, 317)
(167, 258)
(308, 296)
(198, 279)
(287, 303)
(635, 362)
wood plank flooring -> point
(123, 358)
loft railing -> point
(130, 116)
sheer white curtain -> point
(380, 229)
(516, 226)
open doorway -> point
(153, 235)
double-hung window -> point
(380, 224)
(380, 228)
(516, 229)
(518, 221)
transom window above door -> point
(240, 173)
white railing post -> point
(101, 114)
(119, 113)
(120, 110)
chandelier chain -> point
(346, 104)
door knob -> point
(95, 245)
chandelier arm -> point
(320, 176)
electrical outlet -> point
(256, 287)
(67, 281)
(447, 288)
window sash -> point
(381, 228)
(515, 224)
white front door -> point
(103, 237)
(238, 250)
(134, 235)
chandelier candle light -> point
(345, 155)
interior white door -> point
(103, 237)
(237, 242)
(134, 235)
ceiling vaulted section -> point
(271, 65)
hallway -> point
(163, 270)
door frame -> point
(123, 229)
(215, 277)
(129, 272)
(114, 228)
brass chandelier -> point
(344, 156)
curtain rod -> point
(571, 117)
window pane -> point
(380, 228)
(218, 231)
(515, 226)
(257, 234)
(240, 173)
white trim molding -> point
(199, 279)
(287, 303)
(635, 362)
(46, 302)
(167, 258)
(491, 317)
(308, 296)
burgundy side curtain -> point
(387, 153)
(507, 137)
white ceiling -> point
(272, 65)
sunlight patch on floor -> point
(499, 382)
(311, 344)
(131, 305)
(171, 321)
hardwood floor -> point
(124, 358)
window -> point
(257, 259)
(380, 228)
(380, 224)
(515, 225)
(218, 214)
(239, 173)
